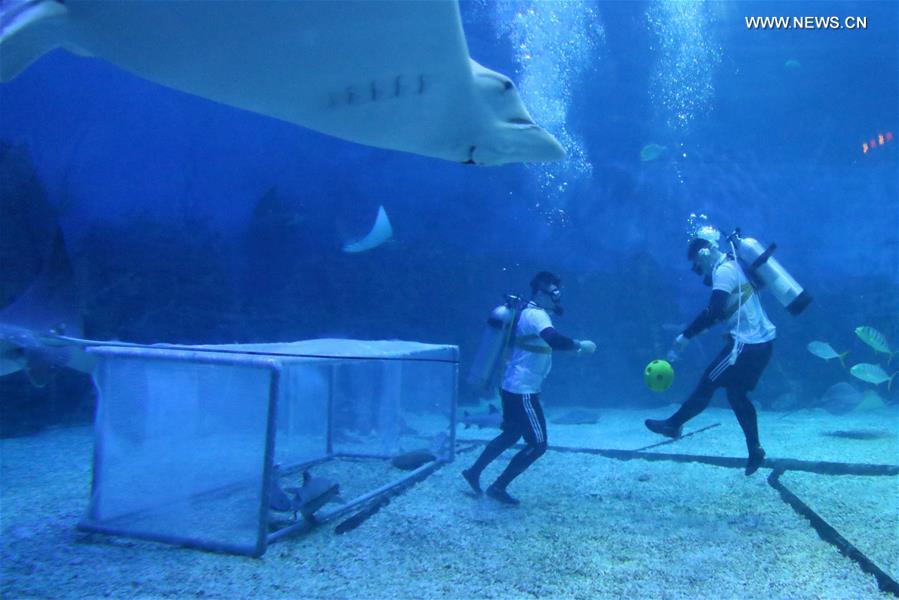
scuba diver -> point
(532, 339)
(740, 364)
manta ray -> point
(32, 327)
(40, 354)
(392, 74)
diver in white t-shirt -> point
(738, 366)
(533, 342)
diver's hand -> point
(585, 347)
(680, 344)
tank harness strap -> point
(522, 342)
(735, 351)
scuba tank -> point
(484, 373)
(765, 271)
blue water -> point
(192, 222)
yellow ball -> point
(658, 375)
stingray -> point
(409, 461)
(841, 398)
(389, 73)
(381, 231)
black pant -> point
(522, 417)
(737, 379)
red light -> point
(873, 143)
(889, 135)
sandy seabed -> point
(588, 527)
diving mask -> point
(555, 295)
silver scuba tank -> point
(484, 372)
(766, 271)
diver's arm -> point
(557, 341)
(712, 313)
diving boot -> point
(474, 480)
(501, 495)
(663, 427)
(756, 458)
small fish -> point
(651, 152)
(825, 351)
(792, 64)
(315, 493)
(492, 418)
(278, 498)
(875, 339)
(872, 374)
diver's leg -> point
(695, 403)
(535, 438)
(497, 446)
(699, 400)
(746, 415)
(511, 432)
(747, 371)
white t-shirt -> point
(532, 357)
(754, 326)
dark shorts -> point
(522, 414)
(745, 373)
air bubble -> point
(554, 44)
